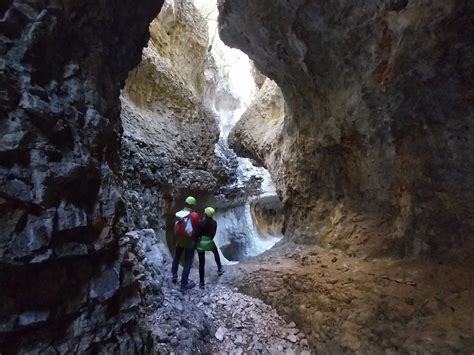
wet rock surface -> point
(268, 215)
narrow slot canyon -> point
(333, 140)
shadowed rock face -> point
(380, 113)
(62, 270)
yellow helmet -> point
(209, 211)
(190, 200)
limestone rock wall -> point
(257, 133)
(169, 131)
(267, 214)
(180, 35)
(258, 76)
(380, 115)
(67, 285)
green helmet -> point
(209, 211)
(190, 200)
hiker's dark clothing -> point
(202, 260)
(188, 263)
(208, 228)
(186, 245)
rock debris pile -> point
(246, 324)
(219, 320)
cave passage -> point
(239, 234)
(365, 123)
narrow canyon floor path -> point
(220, 320)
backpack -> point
(183, 227)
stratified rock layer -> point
(66, 283)
(380, 113)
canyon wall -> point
(67, 284)
(170, 127)
(257, 133)
(373, 160)
(171, 103)
(379, 118)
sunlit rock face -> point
(257, 132)
(169, 131)
(66, 283)
(379, 120)
(180, 35)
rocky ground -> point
(220, 320)
(246, 324)
(215, 320)
(334, 303)
(350, 305)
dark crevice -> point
(397, 5)
(4, 6)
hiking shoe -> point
(220, 272)
(188, 286)
(202, 286)
(174, 279)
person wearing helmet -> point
(207, 232)
(186, 227)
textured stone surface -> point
(170, 127)
(242, 324)
(204, 321)
(257, 76)
(168, 143)
(180, 34)
(374, 161)
(348, 305)
(61, 266)
(268, 215)
(258, 131)
(380, 110)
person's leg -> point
(188, 263)
(220, 270)
(174, 266)
(202, 262)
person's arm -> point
(195, 222)
(213, 229)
